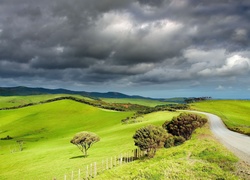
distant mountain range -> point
(24, 91)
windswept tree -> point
(184, 124)
(150, 138)
(84, 140)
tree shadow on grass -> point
(75, 157)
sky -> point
(153, 48)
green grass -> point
(144, 102)
(47, 129)
(202, 157)
(234, 113)
(10, 101)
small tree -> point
(84, 140)
(150, 138)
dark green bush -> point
(169, 142)
(174, 141)
(150, 138)
(184, 124)
(178, 140)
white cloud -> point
(220, 87)
(213, 57)
(234, 65)
(240, 34)
(122, 25)
(59, 49)
(113, 23)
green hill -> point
(144, 102)
(46, 130)
(234, 113)
(10, 101)
(201, 157)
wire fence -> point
(92, 170)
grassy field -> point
(10, 101)
(46, 130)
(144, 102)
(202, 157)
(234, 113)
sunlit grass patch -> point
(202, 157)
(234, 113)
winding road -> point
(238, 143)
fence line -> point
(92, 170)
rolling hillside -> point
(234, 113)
(140, 101)
(46, 130)
(10, 101)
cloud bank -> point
(125, 45)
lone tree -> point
(150, 138)
(84, 140)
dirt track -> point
(237, 143)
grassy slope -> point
(234, 113)
(47, 129)
(144, 102)
(202, 157)
(10, 101)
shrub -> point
(7, 138)
(174, 141)
(169, 142)
(150, 138)
(178, 140)
(184, 124)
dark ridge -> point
(25, 91)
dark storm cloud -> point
(151, 2)
(140, 41)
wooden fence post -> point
(79, 174)
(72, 175)
(90, 170)
(103, 165)
(121, 160)
(95, 169)
(111, 163)
(132, 156)
(107, 165)
(87, 172)
(65, 177)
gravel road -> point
(239, 144)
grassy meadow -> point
(144, 102)
(46, 130)
(202, 157)
(234, 113)
(10, 101)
